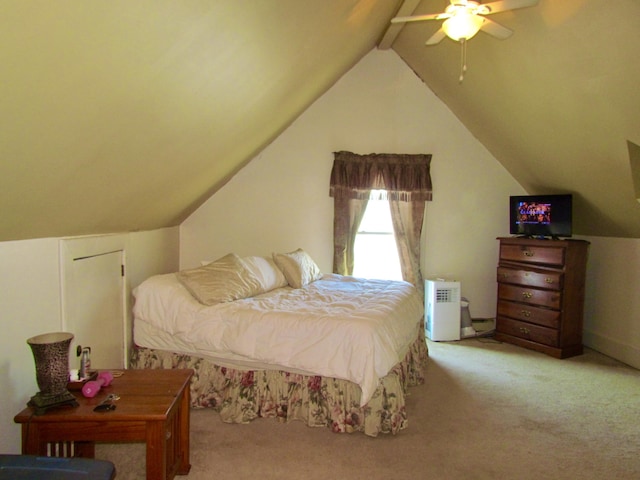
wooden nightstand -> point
(153, 408)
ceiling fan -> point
(464, 18)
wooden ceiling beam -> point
(407, 8)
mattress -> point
(338, 326)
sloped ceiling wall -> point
(121, 116)
(126, 115)
(556, 103)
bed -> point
(274, 337)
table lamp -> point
(51, 355)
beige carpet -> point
(487, 411)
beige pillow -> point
(298, 267)
(266, 271)
(223, 280)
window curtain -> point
(348, 213)
(406, 181)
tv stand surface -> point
(539, 237)
(541, 287)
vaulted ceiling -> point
(121, 116)
(556, 103)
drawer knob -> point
(525, 313)
(527, 294)
(528, 253)
(524, 330)
(548, 280)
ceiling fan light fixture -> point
(462, 25)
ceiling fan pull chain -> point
(463, 59)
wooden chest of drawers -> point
(541, 286)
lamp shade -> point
(51, 355)
(462, 26)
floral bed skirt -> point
(240, 396)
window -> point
(376, 253)
(406, 180)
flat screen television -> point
(541, 215)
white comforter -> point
(342, 327)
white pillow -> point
(266, 271)
(298, 267)
(223, 280)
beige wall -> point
(30, 305)
(612, 306)
(280, 201)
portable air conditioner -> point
(442, 307)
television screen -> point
(541, 215)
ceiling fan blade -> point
(419, 18)
(502, 5)
(495, 29)
(436, 37)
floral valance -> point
(404, 177)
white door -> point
(94, 309)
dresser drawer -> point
(533, 296)
(528, 313)
(528, 331)
(552, 280)
(532, 254)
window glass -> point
(376, 254)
